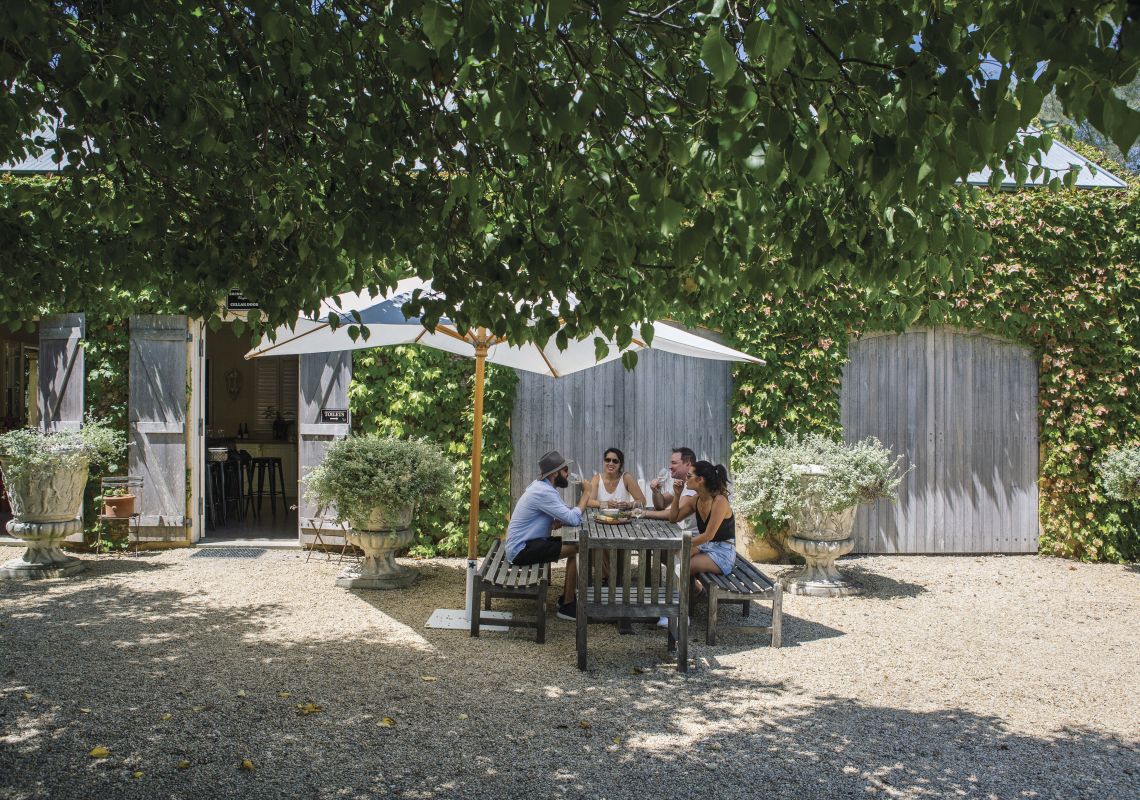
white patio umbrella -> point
(384, 318)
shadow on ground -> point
(160, 677)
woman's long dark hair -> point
(620, 455)
(715, 475)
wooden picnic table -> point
(647, 561)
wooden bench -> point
(743, 585)
(497, 577)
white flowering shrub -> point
(1119, 472)
(768, 487)
(360, 473)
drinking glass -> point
(664, 481)
(576, 474)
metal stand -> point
(133, 485)
(459, 619)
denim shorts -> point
(723, 553)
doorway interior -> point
(250, 466)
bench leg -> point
(486, 602)
(745, 607)
(777, 615)
(540, 621)
(476, 588)
(714, 606)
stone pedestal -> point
(43, 558)
(820, 538)
(379, 570)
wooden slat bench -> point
(743, 585)
(497, 577)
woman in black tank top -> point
(714, 546)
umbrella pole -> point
(476, 464)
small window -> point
(276, 391)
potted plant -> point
(811, 487)
(374, 484)
(118, 502)
(45, 474)
(1119, 472)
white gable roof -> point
(1059, 159)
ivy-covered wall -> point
(418, 391)
(1063, 279)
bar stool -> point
(239, 482)
(272, 465)
(216, 458)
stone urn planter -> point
(45, 511)
(820, 538)
(380, 536)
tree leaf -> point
(719, 56)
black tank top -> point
(726, 532)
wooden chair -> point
(497, 577)
(634, 588)
(743, 585)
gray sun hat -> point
(551, 463)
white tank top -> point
(620, 494)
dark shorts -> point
(539, 551)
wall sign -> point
(236, 301)
(335, 415)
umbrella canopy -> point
(384, 318)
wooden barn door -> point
(322, 417)
(61, 372)
(159, 396)
(961, 407)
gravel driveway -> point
(969, 677)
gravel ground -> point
(969, 677)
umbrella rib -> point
(289, 341)
(549, 366)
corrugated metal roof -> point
(1060, 159)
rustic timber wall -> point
(962, 407)
(667, 401)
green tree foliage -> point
(418, 391)
(642, 154)
(1063, 279)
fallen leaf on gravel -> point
(308, 708)
(85, 710)
(137, 774)
(197, 709)
(637, 671)
(183, 764)
(28, 695)
(387, 722)
(463, 716)
(282, 694)
(583, 724)
(241, 693)
(246, 764)
(99, 752)
(428, 678)
(167, 716)
(617, 740)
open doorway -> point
(249, 469)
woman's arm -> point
(594, 502)
(634, 490)
(720, 511)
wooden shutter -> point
(157, 412)
(323, 384)
(61, 372)
(275, 391)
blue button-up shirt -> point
(534, 515)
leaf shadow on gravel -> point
(161, 676)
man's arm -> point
(660, 501)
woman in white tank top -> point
(613, 486)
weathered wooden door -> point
(159, 396)
(61, 372)
(961, 407)
(322, 416)
(667, 401)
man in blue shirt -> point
(539, 511)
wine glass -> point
(664, 481)
(637, 512)
(576, 474)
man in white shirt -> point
(681, 461)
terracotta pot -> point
(119, 507)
